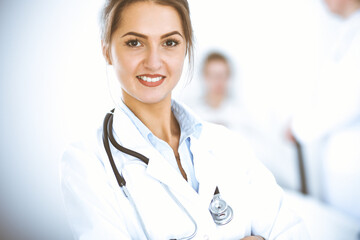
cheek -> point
(125, 66)
(176, 64)
(174, 59)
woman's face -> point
(147, 52)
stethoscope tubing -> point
(184, 210)
(121, 181)
(108, 135)
(121, 148)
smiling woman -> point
(179, 177)
(147, 52)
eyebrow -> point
(146, 37)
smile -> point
(151, 80)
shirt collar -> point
(190, 125)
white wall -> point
(53, 87)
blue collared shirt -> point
(190, 127)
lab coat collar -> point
(126, 133)
(190, 124)
(159, 168)
(205, 169)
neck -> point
(157, 117)
(350, 9)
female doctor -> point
(154, 170)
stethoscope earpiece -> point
(220, 211)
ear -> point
(106, 52)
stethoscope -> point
(220, 211)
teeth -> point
(149, 79)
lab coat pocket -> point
(162, 216)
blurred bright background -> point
(53, 89)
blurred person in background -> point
(216, 104)
(333, 119)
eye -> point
(171, 43)
(133, 43)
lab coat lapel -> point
(159, 168)
(205, 171)
(126, 134)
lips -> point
(151, 80)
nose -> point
(153, 60)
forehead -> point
(150, 19)
(216, 63)
(216, 66)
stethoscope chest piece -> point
(220, 211)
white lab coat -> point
(98, 209)
(333, 123)
(337, 101)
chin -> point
(152, 99)
(148, 96)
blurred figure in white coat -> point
(334, 116)
(216, 103)
(219, 100)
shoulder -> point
(233, 153)
(91, 196)
(218, 136)
(82, 158)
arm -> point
(272, 217)
(249, 183)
